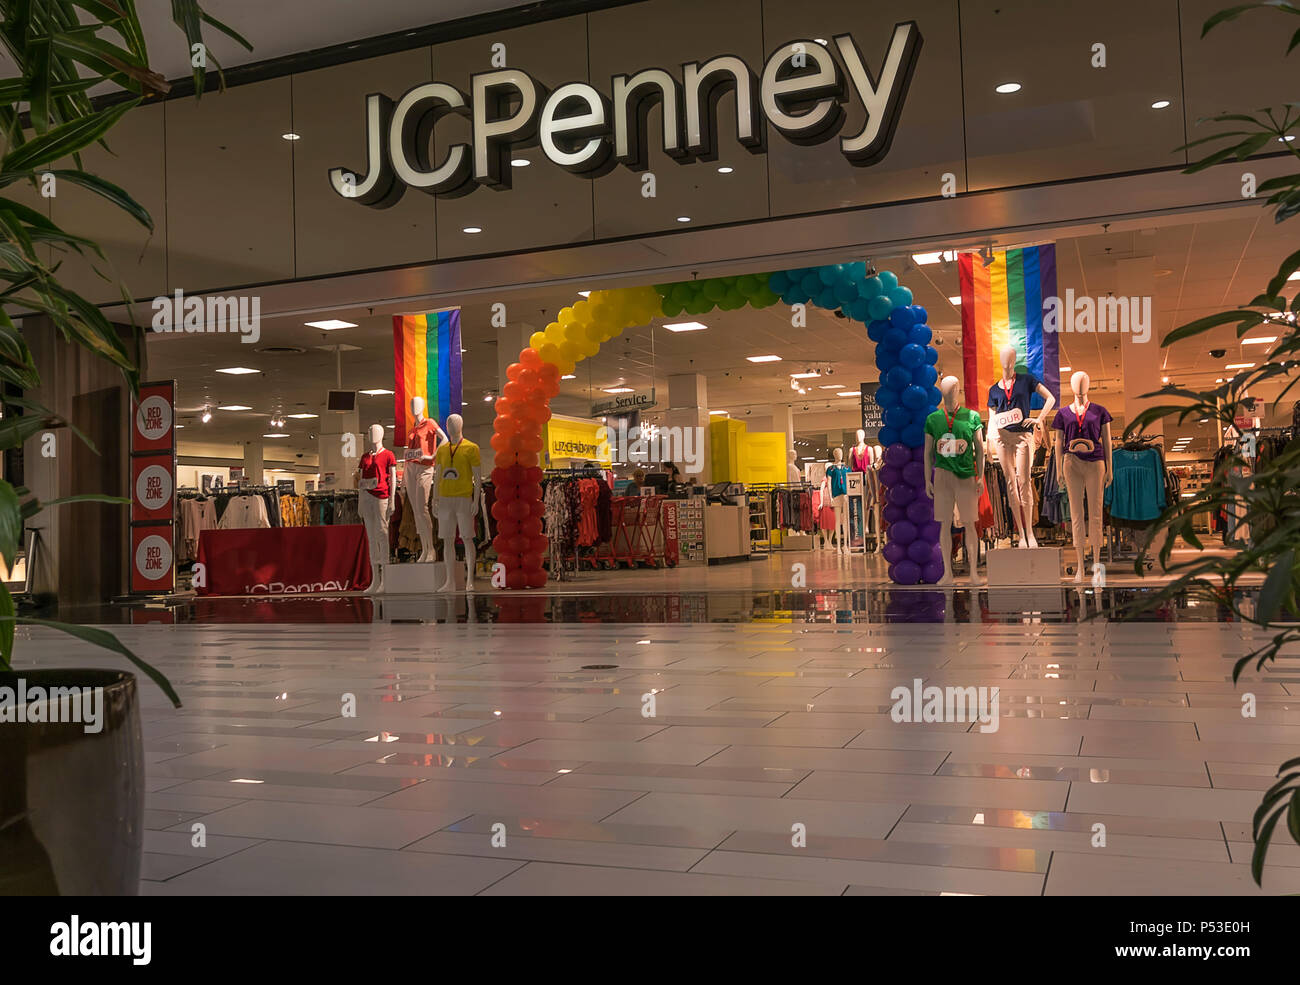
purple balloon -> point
(930, 531)
(894, 552)
(920, 551)
(907, 572)
(903, 532)
(897, 455)
(892, 513)
(891, 475)
(914, 474)
(901, 495)
(920, 511)
(932, 572)
(918, 454)
(937, 552)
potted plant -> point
(71, 789)
(1265, 496)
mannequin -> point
(837, 483)
(377, 480)
(1011, 432)
(421, 444)
(792, 473)
(954, 472)
(1083, 465)
(455, 497)
(860, 455)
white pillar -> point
(254, 462)
(688, 407)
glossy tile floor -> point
(491, 758)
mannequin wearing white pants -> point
(1015, 455)
(376, 474)
(457, 514)
(841, 504)
(1084, 478)
(419, 483)
(374, 514)
(456, 498)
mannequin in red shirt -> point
(376, 480)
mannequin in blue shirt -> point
(1013, 441)
(836, 483)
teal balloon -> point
(888, 280)
(858, 310)
(871, 288)
(811, 284)
(900, 295)
(879, 307)
(778, 281)
(845, 292)
(830, 273)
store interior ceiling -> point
(1191, 265)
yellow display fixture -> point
(739, 455)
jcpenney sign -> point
(802, 93)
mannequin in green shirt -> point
(954, 472)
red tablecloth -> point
(284, 560)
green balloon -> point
(715, 290)
(734, 300)
(682, 294)
(671, 308)
(663, 290)
(748, 285)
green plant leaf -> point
(87, 498)
(65, 139)
(110, 191)
(6, 627)
(107, 641)
(11, 524)
(1276, 586)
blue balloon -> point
(811, 284)
(888, 280)
(857, 310)
(778, 282)
(871, 288)
(925, 376)
(914, 435)
(898, 417)
(885, 358)
(887, 435)
(922, 316)
(931, 355)
(920, 333)
(919, 414)
(911, 356)
(880, 306)
(901, 318)
(886, 397)
(901, 296)
(913, 397)
(895, 338)
(830, 273)
(875, 329)
(845, 292)
(933, 396)
(898, 378)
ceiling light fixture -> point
(725, 169)
(330, 324)
(1006, 88)
(290, 136)
(717, 413)
(683, 218)
(520, 162)
(569, 376)
(378, 392)
(810, 375)
(1260, 340)
(303, 417)
(472, 229)
(234, 407)
(207, 415)
(686, 326)
(764, 359)
(832, 386)
(237, 371)
(955, 300)
(1240, 366)
(1160, 104)
(849, 393)
(617, 389)
(279, 434)
(938, 256)
(585, 294)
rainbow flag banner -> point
(426, 363)
(1002, 304)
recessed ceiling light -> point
(277, 434)
(764, 359)
(686, 326)
(683, 218)
(330, 324)
(1008, 87)
(849, 393)
(569, 376)
(725, 169)
(290, 136)
(237, 371)
(302, 417)
(936, 257)
(617, 389)
(832, 386)
(585, 294)
(520, 162)
(377, 393)
(716, 413)
(955, 300)
(1239, 366)
(234, 407)
(1160, 104)
(1260, 340)
(180, 425)
(472, 229)
(812, 375)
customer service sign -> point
(801, 92)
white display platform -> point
(1027, 600)
(1012, 566)
(796, 542)
(415, 579)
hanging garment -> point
(1137, 489)
(245, 512)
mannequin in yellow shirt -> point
(458, 474)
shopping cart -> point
(637, 533)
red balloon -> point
(503, 407)
(530, 491)
(537, 545)
(514, 390)
(527, 460)
(518, 475)
(500, 544)
(533, 474)
(517, 509)
(531, 359)
(546, 413)
(534, 578)
(530, 442)
(530, 527)
(503, 443)
(499, 511)
(535, 507)
(507, 493)
(509, 527)
(516, 579)
(549, 372)
(529, 378)
(517, 543)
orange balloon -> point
(530, 359)
(513, 371)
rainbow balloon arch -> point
(908, 394)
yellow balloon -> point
(582, 310)
(576, 331)
(569, 351)
(550, 353)
(596, 332)
(565, 316)
(537, 340)
(566, 366)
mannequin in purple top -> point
(1083, 465)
